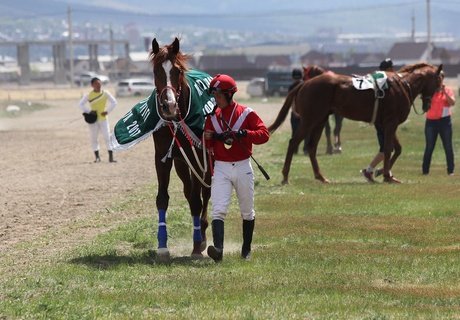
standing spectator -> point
(97, 100)
(295, 117)
(438, 122)
(368, 173)
(230, 134)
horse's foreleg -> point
(390, 143)
(192, 192)
(397, 151)
(162, 201)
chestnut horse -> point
(330, 93)
(171, 145)
(308, 73)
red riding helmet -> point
(223, 83)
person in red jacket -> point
(438, 122)
(230, 133)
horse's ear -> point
(439, 69)
(175, 46)
(155, 46)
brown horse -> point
(333, 93)
(308, 73)
(174, 143)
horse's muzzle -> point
(426, 104)
(169, 111)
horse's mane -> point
(180, 59)
(416, 66)
(312, 71)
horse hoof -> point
(203, 245)
(196, 256)
(285, 182)
(322, 179)
(391, 179)
(378, 172)
(163, 255)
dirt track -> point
(48, 178)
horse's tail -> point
(285, 108)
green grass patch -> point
(345, 250)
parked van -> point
(277, 82)
(134, 87)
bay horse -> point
(174, 105)
(330, 93)
(308, 73)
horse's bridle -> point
(424, 98)
(177, 94)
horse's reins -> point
(203, 167)
(410, 97)
(192, 168)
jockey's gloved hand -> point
(241, 133)
(222, 136)
(218, 136)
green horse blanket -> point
(143, 119)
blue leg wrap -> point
(162, 231)
(197, 229)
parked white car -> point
(134, 87)
(84, 78)
(256, 87)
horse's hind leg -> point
(327, 131)
(337, 130)
(312, 149)
(206, 195)
(192, 192)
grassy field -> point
(345, 250)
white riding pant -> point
(228, 175)
(103, 128)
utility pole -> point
(69, 22)
(112, 50)
(412, 37)
(428, 22)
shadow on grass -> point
(113, 261)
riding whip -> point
(265, 174)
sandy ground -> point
(48, 179)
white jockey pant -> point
(228, 175)
(94, 129)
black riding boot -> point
(98, 159)
(248, 230)
(111, 156)
(216, 251)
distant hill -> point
(297, 16)
(268, 21)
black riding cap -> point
(386, 64)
